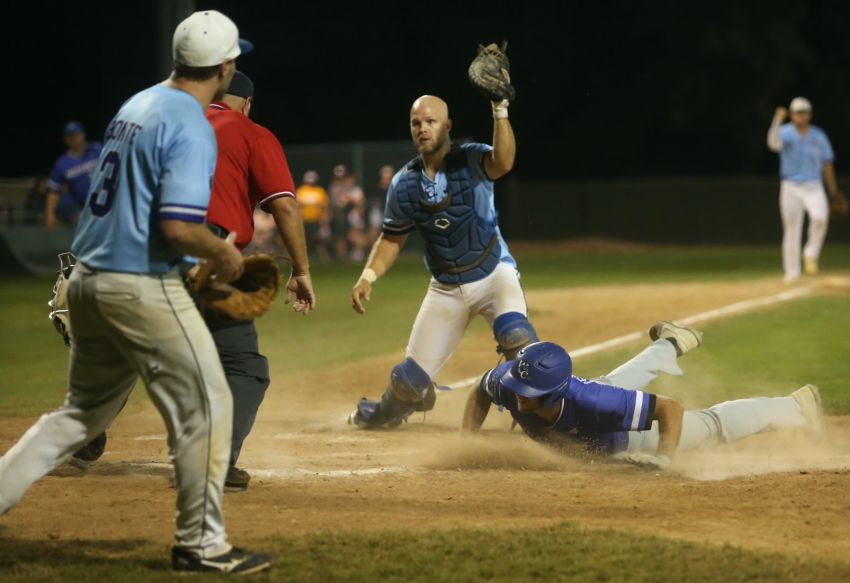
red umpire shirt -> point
(251, 170)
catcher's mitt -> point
(248, 297)
(59, 302)
(490, 72)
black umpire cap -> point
(241, 86)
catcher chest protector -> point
(461, 247)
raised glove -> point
(249, 297)
(649, 461)
(490, 71)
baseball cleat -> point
(810, 265)
(683, 338)
(237, 480)
(235, 561)
(809, 401)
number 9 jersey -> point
(157, 164)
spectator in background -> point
(378, 201)
(36, 201)
(266, 236)
(313, 202)
(348, 223)
(70, 179)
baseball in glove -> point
(490, 71)
(248, 297)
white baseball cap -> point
(800, 104)
(207, 38)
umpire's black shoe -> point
(237, 480)
(235, 561)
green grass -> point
(558, 553)
(34, 361)
(770, 351)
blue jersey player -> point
(131, 315)
(70, 179)
(445, 194)
(615, 415)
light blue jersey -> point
(395, 221)
(157, 163)
(802, 158)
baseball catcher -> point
(614, 415)
(446, 195)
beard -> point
(436, 145)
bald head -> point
(430, 125)
(431, 104)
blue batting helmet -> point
(541, 369)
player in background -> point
(446, 195)
(614, 415)
(377, 202)
(131, 315)
(251, 172)
(70, 180)
(313, 201)
(805, 164)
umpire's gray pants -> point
(128, 326)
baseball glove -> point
(838, 205)
(59, 302)
(490, 71)
(248, 297)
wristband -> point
(369, 275)
(500, 109)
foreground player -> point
(130, 314)
(251, 171)
(805, 156)
(613, 414)
(446, 194)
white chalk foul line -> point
(726, 310)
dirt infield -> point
(313, 472)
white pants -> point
(721, 423)
(127, 326)
(447, 310)
(796, 199)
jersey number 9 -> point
(104, 195)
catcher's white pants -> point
(721, 423)
(795, 200)
(447, 310)
(127, 326)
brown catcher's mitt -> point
(248, 297)
(490, 73)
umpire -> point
(251, 171)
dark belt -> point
(446, 267)
(219, 232)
